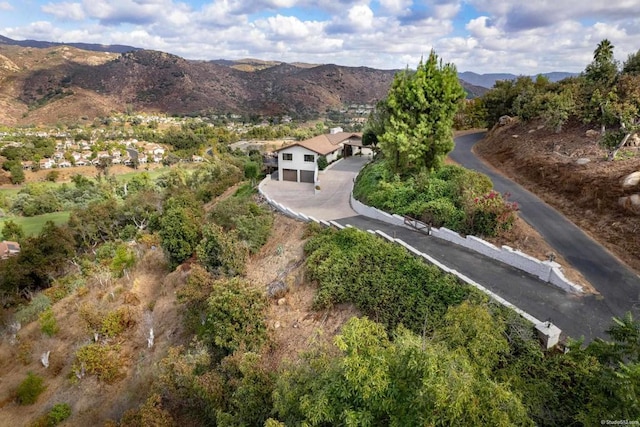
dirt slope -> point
(545, 162)
(149, 293)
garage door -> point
(289, 175)
(307, 176)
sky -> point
(484, 36)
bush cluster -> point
(234, 316)
(48, 323)
(388, 285)
(29, 389)
(100, 360)
(57, 414)
(452, 197)
(251, 221)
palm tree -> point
(604, 52)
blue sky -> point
(477, 35)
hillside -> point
(488, 80)
(64, 83)
(60, 83)
(586, 191)
(115, 48)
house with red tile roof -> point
(298, 162)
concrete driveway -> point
(331, 202)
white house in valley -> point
(299, 162)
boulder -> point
(277, 289)
(582, 161)
(634, 140)
(592, 133)
(504, 120)
(630, 203)
(631, 180)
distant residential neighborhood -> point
(140, 139)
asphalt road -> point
(618, 285)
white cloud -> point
(446, 10)
(4, 5)
(288, 28)
(479, 27)
(396, 7)
(130, 11)
(65, 11)
(361, 16)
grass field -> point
(33, 224)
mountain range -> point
(488, 80)
(47, 82)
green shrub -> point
(251, 221)
(490, 215)
(234, 316)
(383, 280)
(38, 304)
(322, 162)
(442, 213)
(29, 389)
(452, 196)
(100, 360)
(123, 259)
(48, 323)
(220, 251)
(117, 321)
(368, 178)
(59, 413)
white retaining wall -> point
(548, 271)
(549, 333)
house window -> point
(287, 156)
(309, 158)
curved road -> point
(587, 315)
(618, 285)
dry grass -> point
(292, 322)
(149, 296)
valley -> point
(168, 292)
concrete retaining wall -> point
(374, 213)
(548, 271)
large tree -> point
(421, 106)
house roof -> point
(8, 248)
(327, 143)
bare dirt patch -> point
(293, 323)
(545, 162)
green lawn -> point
(33, 224)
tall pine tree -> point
(421, 106)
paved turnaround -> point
(587, 316)
(618, 285)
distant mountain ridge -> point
(488, 80)
(64, 82)
(94, 47)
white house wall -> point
(298, 162)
